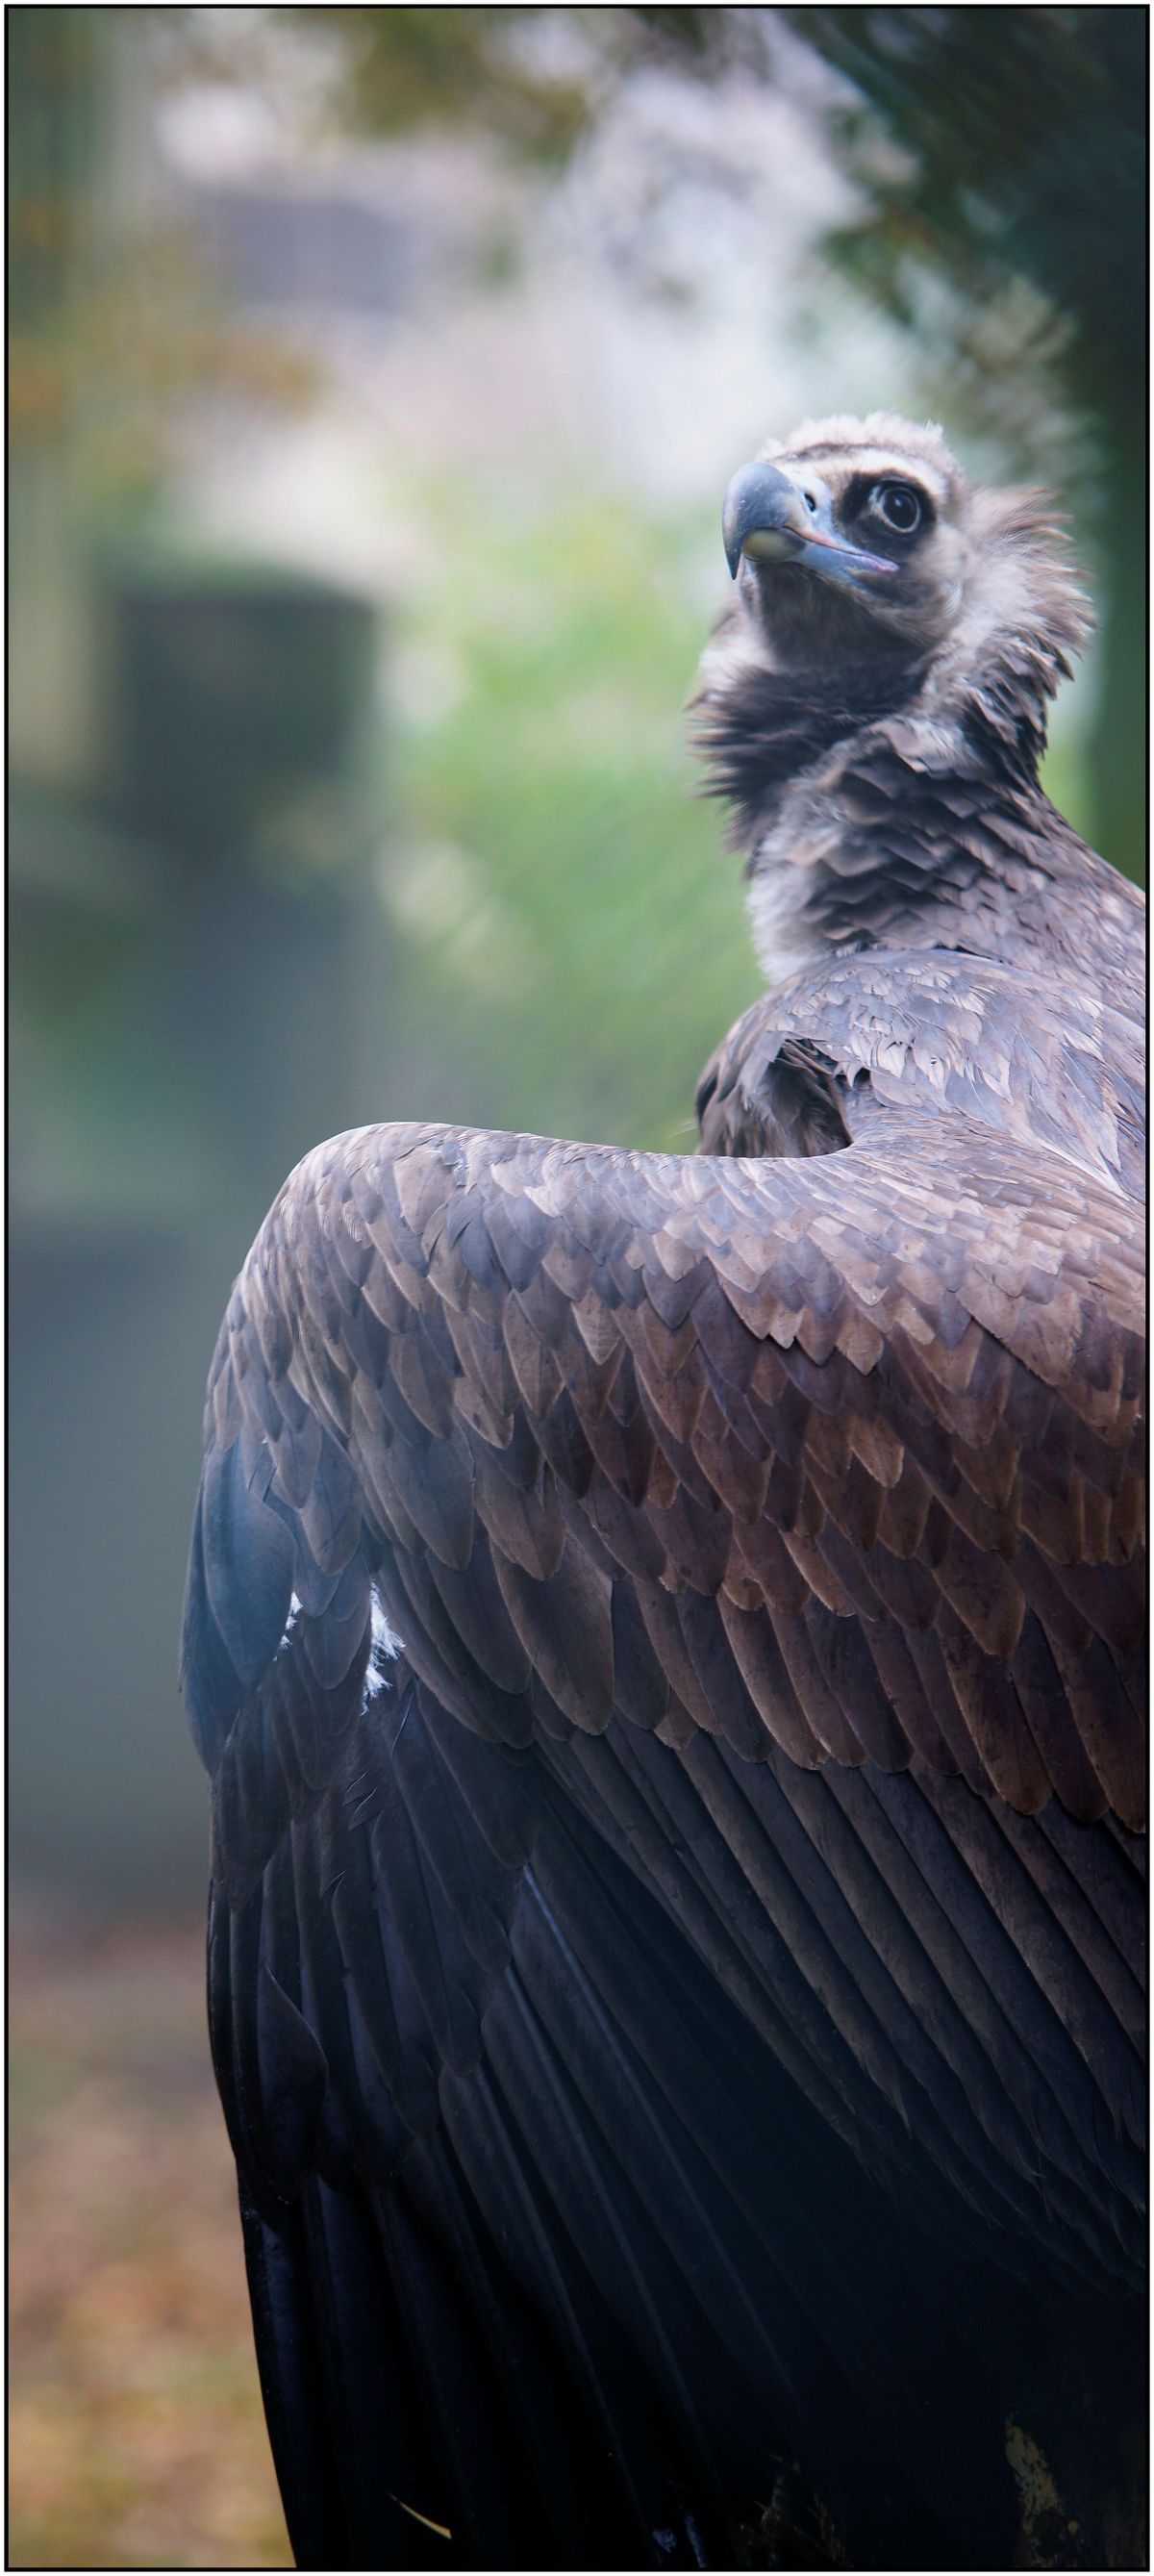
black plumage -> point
(664, 1633)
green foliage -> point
(571, 923)
(404, 68)
(1023, 135)
(533, 79)
(51, 147)
(1008, 230)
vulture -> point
(664, 1633)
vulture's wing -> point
(1046, 1062)
(663, 1631)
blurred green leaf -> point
(570, 918)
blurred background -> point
(375, 378)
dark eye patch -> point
(860, 489)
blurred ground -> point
(136, 2436)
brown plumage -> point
(664, 1631)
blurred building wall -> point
(194, 945)
(208, 926)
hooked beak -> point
(766, 516)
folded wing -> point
(665, 1635)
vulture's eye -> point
(898, 505)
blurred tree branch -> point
(1022, 156)
(533, 78)
(111, 324)
(1023, 135)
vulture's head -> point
(873, 700)
(853, 537)
(866, 564)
